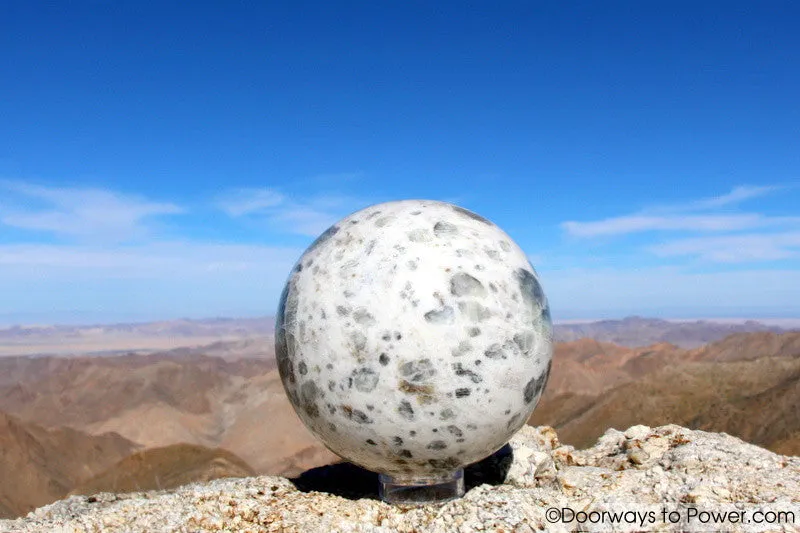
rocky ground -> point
(641, 470)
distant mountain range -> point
(638, 331)
(252, 337)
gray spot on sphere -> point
(418, 371)
(531, 290)
(444, 229)
(365, 379)
(383, 221)
(470, 214)
(437, 445)
(524, 341)
(465, 285)
(535, 386)
(326, 235)
(445, 315)
(362, 316)
(405, 410)
(359, 340)
(495, 351)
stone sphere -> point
(413, 338)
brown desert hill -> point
(167, 398)
(748, 386)
(155, 400)
(165, 468)
(39, 466)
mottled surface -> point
(413, 338)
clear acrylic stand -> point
(420, 491)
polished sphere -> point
(413, 338)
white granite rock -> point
(684, 468)
(413, 338)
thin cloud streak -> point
(84, 213)
(734, 248)
(309, 217)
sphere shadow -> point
(354, 483)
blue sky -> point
(172, 159)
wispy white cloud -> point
(700, 217)
(308, 216)
(737, 195)
(85, 213)
(640, 223)
(712, 232)
(241, 202)
(734, 248)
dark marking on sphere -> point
(448, 464)
(455, 430)
(412, 433)
(308, 395)
(371, 442)
(406, 454)
(329, 366)
(387, 336)
(492, 254)
(463, 284)
(363, 317)
(473, 331)
(405, 410)
(478, 362)
(463, 392)
(348, 294)
(493, 287)
(524, 341)
(373, 214)
(359, 340)
(495, 351)
(397, 441)
(286, 368)
(472, 426)
(437, 445)
(464, 372)
(470, 214)
(342, 310)
(383, 221)
(444, 229)
(326, 235)
(331, 408)
(383, 359)
(418, 371)
(398, 335)
(445, 315)
(365, 379)
(447, 414)
(535, 386)
(332, 426)
(462, 348)
(302, 368)
(356, 415)
(425, 392)
(512, 421)
(546, 313)
(505, 246)
(370, 246)
(435, 430)
(530, 288)
(474, 311)
(331, 385)
(370, 407)
(412, 265)
(298, 267)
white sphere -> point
(413, 338)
